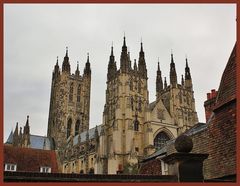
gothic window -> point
(132, 104)
(78, 93)
(140, 105)
(77, 127)
(136, 125)
(160, 140)
(71, 92)
(131, 85)
(139, 87)
(187, 99)
(69, 126)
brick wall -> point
(152, 167)
(222, 146)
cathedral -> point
(132, 128)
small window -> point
(78, 93)
(45, 169)
(136, 149)
(10, 167)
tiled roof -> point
(227, 88)
(30, 160)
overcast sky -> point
(34, 35)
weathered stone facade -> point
(132, 128)
(69, 103)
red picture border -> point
(108, 1)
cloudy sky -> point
(34, 35)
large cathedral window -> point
(136, 125)
(160, 140)
(71, 92)
(78, 93)
(77, 127)
(69, 126)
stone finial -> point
(183, 143)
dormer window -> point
(45, 169)
(10, 167)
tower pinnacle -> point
(173, 74)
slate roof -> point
(30, 160)
(152, 105)
(84, 134)
(36, 142)
(10, 138)
(195, 129)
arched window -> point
(160, 140)
(71, 92)
(78, 93)
(139, 105)
(77, 127)
(139, 87)
(131, 85)
(69, 126)
(136, 125)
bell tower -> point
(69, 102)
(123, 117)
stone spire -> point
(77, 72)
(135, 65)
(112, 68)
(187, 71)
(27, 127)
(159, 82)
(87, 70)
(165, 82)
(173, 74)
(141, 63)
(20, 135)
(182, 81)
(124, 60)
(56, 68)
(15, 136)
(188, 78)
(66, 65)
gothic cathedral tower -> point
(178, 98)
(121, 139)
(69, 103)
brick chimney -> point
(210, 103)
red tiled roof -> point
(30, 160)
(227, 88)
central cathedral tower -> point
(123, 117)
